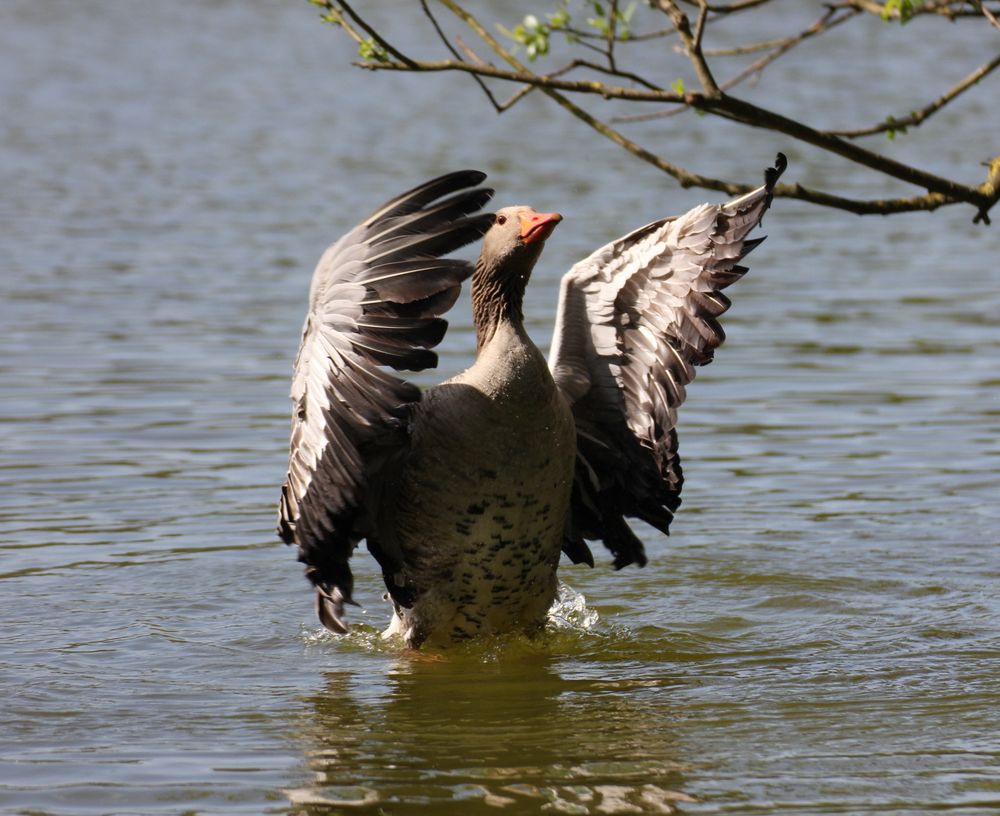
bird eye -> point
(501, 219)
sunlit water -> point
(819, 634)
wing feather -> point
(634, 320)
(375, 300)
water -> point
(820, 633)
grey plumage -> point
(467, 493)
(634, 319)
(374, 299)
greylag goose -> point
(467, 493)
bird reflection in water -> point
(470, 733)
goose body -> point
(483, 496)
(467, 494)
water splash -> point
(569, 616)
(361, 637)
(570, 611)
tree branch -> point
(951, 9)
(780, 48)
(749, 114)
(447, 44)
(712, 99)
(824, 23)
(550, 81)
(737, 5)
(989, 15)
(389, 49)
(692, 41)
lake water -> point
(820, 634)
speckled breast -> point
(481, 510)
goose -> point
(467, 493)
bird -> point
(468, 493)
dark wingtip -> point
(419, 196)
(330, 610)
(577, 551)
(475, 177)
(623, 560)
(772, 174)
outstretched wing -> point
(375, 300)
(634, 319)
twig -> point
(824, 23)
(517, 96)
(692, 41)
(447, 44)
(780, 48)
(918, 117)
(583, 34)
(593, 66)
(381, 41)
(512, 100)
(612, 31)
(543, 81)
(989, 15)
(685, 177)
(738, 5)
(739, 50)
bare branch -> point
(781, 47)
(447, 44)
(544, 81)
(692, 41)
(918, 117)
(579, 63)
(685, 177)
(633, 37)
(470, 55)
(612, 31)
(740, 111)
(516, 97)
(824, 23)
(751, 48)
(737, 5)
(989, 15)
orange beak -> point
(538, 226)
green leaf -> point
(905, 8)
(371, 51)
(678, 86)
(624, 22)
(559, 19)
(532, 33)
(894, 128)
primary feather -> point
(634, 319)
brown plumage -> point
(467, 493)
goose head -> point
(512, 245)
